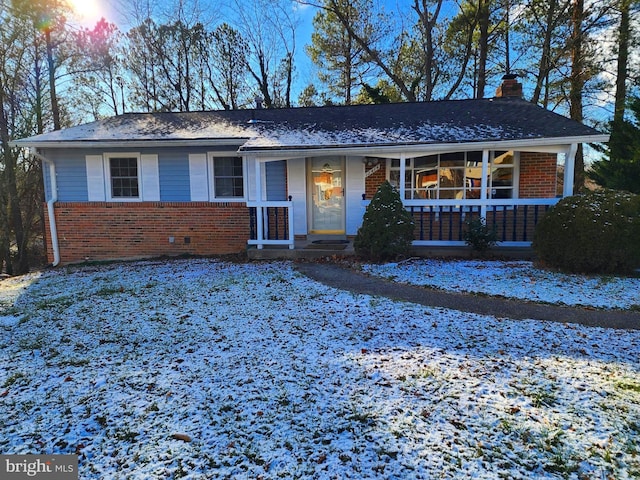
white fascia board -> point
(556, 144)
(237, 142)
(551, 145)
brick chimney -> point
(510, 87)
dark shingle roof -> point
(455, 121)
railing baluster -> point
(495, 219)
(524, 225)
(431, 222)
(504, 223)
(252, 223)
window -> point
(501, 178)
(124, 177)
(455, 175)
(228, 179)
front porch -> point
(439, 228)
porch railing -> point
(443, 222)
(271, 223)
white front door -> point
(325, 187)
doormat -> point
(328, 244)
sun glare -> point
(88, 12)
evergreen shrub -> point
(598, 232)
(479, 236)
(387, 227)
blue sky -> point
(88, 12)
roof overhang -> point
(555, 144)
(201, 142)
(551, 144)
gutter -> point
(50, 206)
(551, 144)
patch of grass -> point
(424, 372)
(14, 378)
(8, 309)
(57, 304)
(126, 435)
(628, 385)
(543, 397)
(109, 291)
(37, 342)
(74, 362)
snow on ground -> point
(205, 369)
(515, 279)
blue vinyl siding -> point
(276, 180)
(71, 171)
(71, 175)
(46, 174)
(174, 176)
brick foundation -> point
(113, 230)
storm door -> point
(326, 195)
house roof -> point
(439, 122)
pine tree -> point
(387, 227)
(620, 169)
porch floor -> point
(305, 249)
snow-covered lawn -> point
(206, 369)
(515, 279)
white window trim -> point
(148, 177)
(211, 156)
(484, 193)
(107, 177)
(515, 187)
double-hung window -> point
(124, 176)
(455, 175)
(228, 181)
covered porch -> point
(444, 189)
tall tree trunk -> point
(576, 84)
(427, 22)
(544, 66)
(483, 46)
(507, 38)
(623, 59)
(289, 63)
(55, 109)
(13, 203)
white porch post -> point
(401, 182)
(569, 169)
(259, 211)
(484, 184)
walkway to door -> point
(346, 278)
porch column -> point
(402, 186)
(258, 193)
(484, 184)
(569, 169)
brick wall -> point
(538, 176)
(374, 180)
(114, 230)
